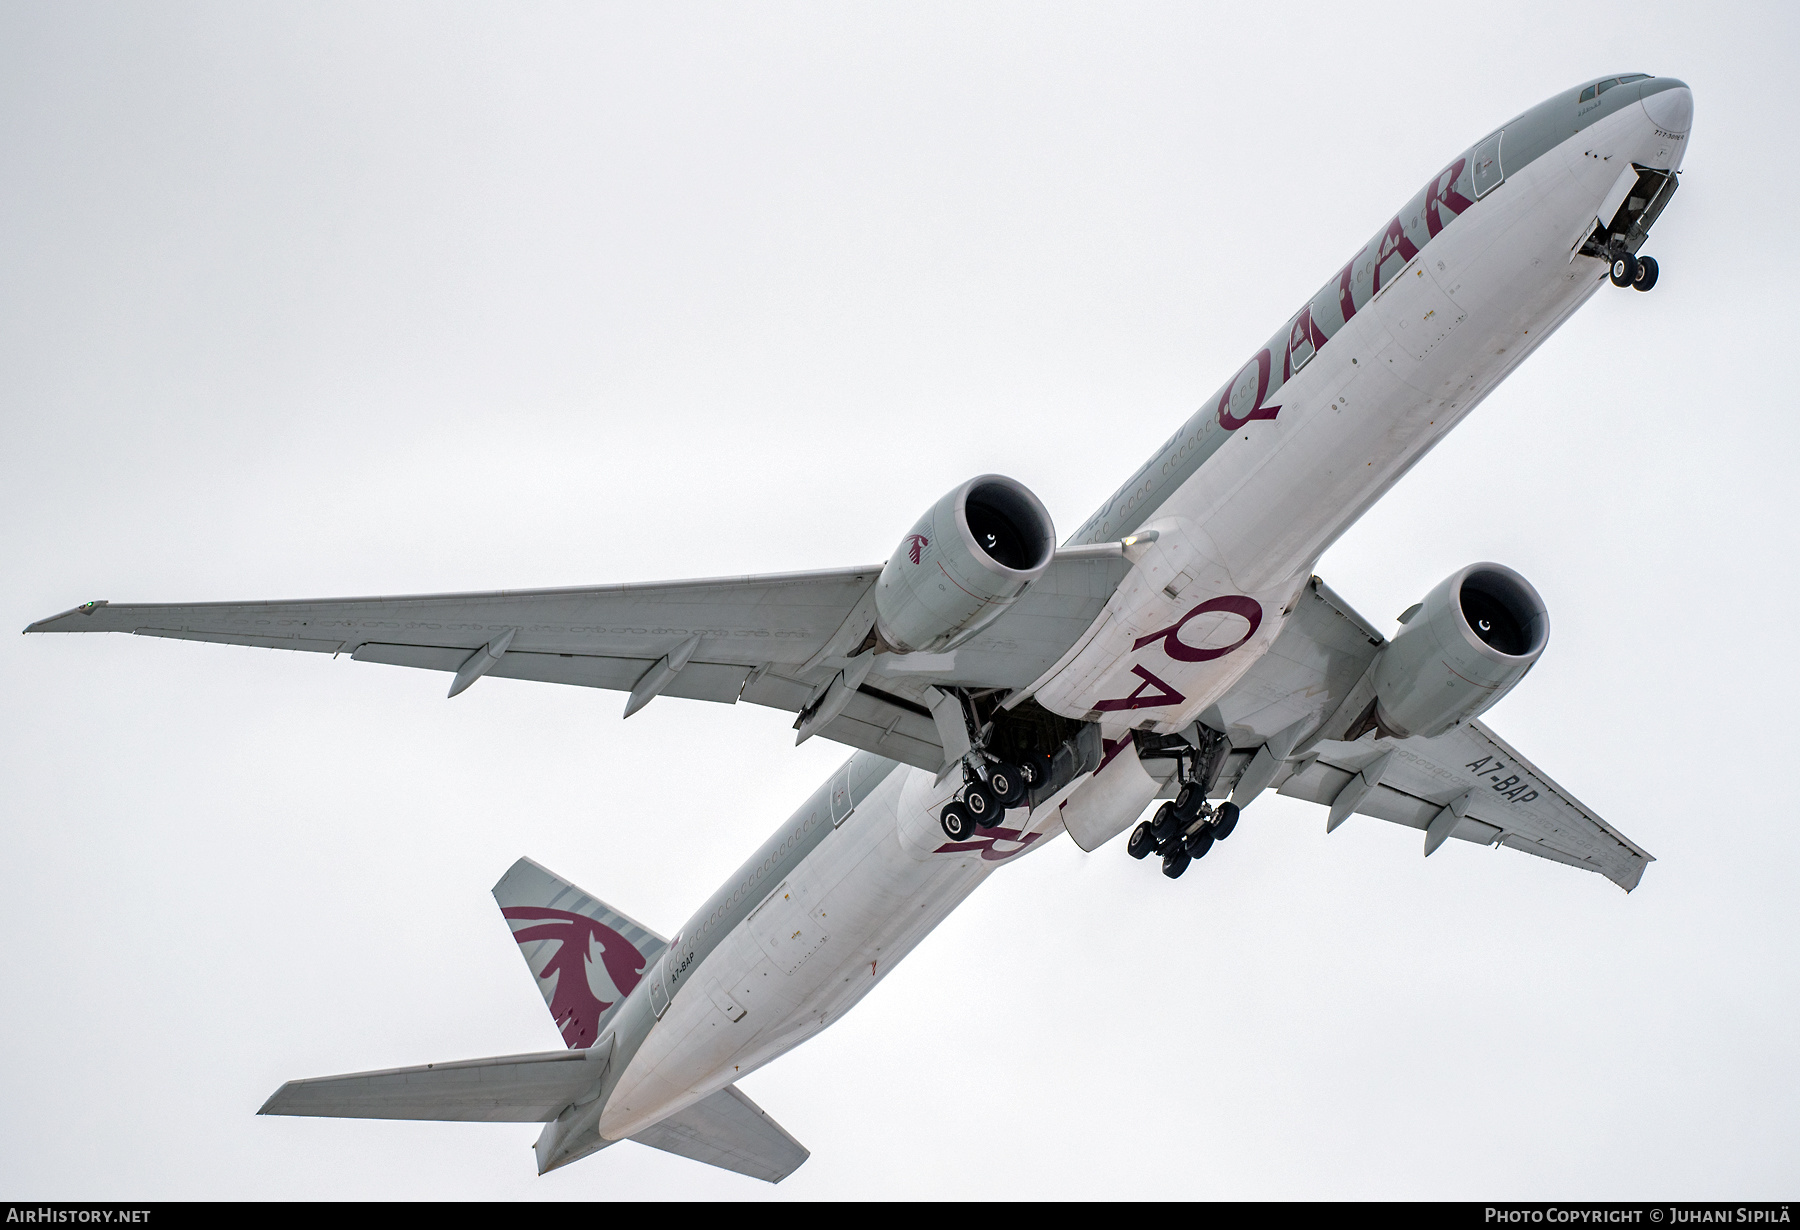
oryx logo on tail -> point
(573, 1003)
(584, 960)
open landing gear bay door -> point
(778, 640)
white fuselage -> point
(1252, 522)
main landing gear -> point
(989, 788)
(1183, 830)
(1634, 271)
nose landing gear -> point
(1638, 272)
(1618, 241)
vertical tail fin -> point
(585, 955)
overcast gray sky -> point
(307, 300)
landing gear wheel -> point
(1164, 823)
(1646, 276)
(1189, 800)
(1175, 862)
(1007, 784)
(1199, 843)
(1624, 270)
(1143, 841)
(1226, 821)
(958, 826)
(1034, 770)
(980, 805)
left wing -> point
(1287, 717)
(1469, 784)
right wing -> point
(779, 640)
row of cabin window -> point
(1594, 91)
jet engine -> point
(1459, 651)
(964, 562)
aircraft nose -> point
(1671, 107)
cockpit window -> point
(1594, 91)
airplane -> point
(1002, 689)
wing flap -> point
(252, 640)
(1320, 783)
(506, 1089)
(875, 724)
(726, 1129)
(714, 681)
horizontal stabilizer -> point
(505, 1089)
(728, 1130)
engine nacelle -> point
(1459, 651)
(964, 562)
